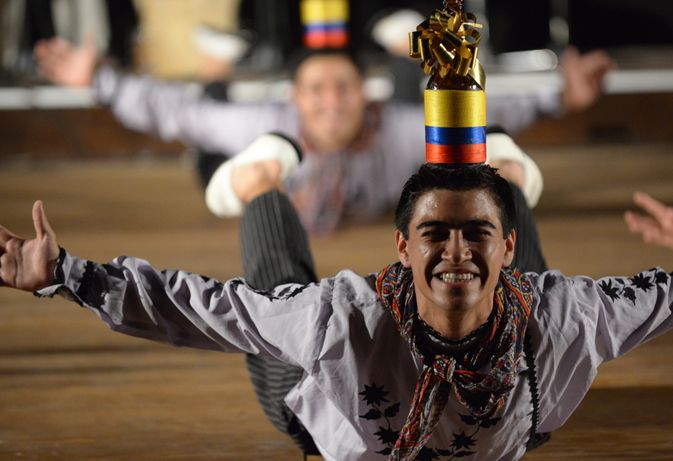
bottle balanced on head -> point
(455, 99)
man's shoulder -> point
(547, 280)
(356, 285)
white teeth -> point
(453, 277)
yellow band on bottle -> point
(313, 11)
(455, 108)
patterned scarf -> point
(484, 394)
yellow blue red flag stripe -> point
(325, 23)
(455, 126)
(316, 11)
(453, 136)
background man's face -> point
(455, 250)
(329, 95)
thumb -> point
(40, 221)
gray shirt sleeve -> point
(178, 111)
(186, 309)
(580, 323)
(517, 111)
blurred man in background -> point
(358, 153)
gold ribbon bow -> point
(447, 42)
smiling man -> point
(447, 353)
(455, 243)
(330, 100)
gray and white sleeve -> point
(581, 322)
(517, 111)
(179, 111)
(186, 309)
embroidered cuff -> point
(69, 274)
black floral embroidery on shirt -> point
(642, 281)
(284, 294)
(386, 435)
(374, 395)
(630, 294)
(205, 279)
(382, 409)
(661, 278)
(290, 292)
(427, 454)
(462, 440)
(375, 398)
(617, 288)
(613, 292)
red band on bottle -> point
(465, 153)
(326, 39)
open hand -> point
(29, 264)
(655, 227)
(583, 76)
(64, 63)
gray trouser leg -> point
(274, 251)
(528, 255)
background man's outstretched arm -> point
(656, 226)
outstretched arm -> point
(654, 227)
(579, 323)
(186, 309)
(172, 306)
(29, 264)
(173, 111)
(66, 64)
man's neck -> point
(455, 325)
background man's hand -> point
(29, 264)
(64, 63)
(655, 227)
(583, 76)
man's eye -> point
(347, 88)
(477, 234)
(435, 235)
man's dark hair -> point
(462, 178)
(304, 54)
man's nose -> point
(456, 249)
(332, 97)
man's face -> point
(329, 95)
(455, 250)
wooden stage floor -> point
(72, 390)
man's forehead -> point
(315, 64)
(456, 208)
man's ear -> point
(510, 242)
(402, 249)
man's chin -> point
(333, 143)
(458, 300)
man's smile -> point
(455, 277)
